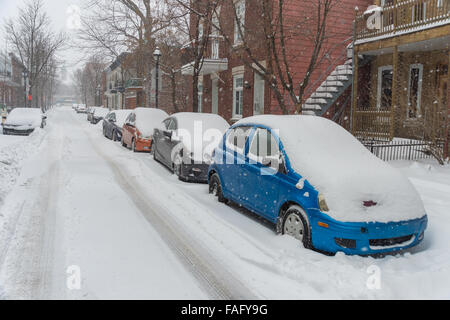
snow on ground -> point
(14, 150)
(135, 231)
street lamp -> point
(98, 95)
(157, 56)
(25, 76)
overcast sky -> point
(61, 13)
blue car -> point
(317, 183)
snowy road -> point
(133, 230)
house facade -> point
(232, 89)
(401, 71)
(11, 81)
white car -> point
(23, 121)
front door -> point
(261, 188)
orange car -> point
(137, 132)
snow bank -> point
(147, 119)
(342, 169)
(13, 151)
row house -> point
(124, 89)
(233, 90)
(11, 81)
(401, 71)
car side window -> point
(264, 145)
(237, 138)
(172, 125)
(166, 123)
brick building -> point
(231, 88)
(11, 81)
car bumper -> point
(16, 132)
(366, 238)
(143, 145)
(195, 172)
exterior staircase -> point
(338, 81)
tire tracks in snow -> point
(218, 282)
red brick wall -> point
(299, 53)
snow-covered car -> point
(23, 121)
(113, 124)
(89, 112)
(3, 113)
(81, 108)
(317, 183)
(185, 141)
(98, 114)
(137, 131)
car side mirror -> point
(168, 134)
(267, 162)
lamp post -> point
(157, 56)
(25, 76)
(98, 95)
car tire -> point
(123, 143)
(295, 224)
(215, 188)
(133, 145)
(114, 136)
(104, 132)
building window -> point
(414, 90)
(258, 95)
(238, 90)
(239, 21)
(200, 97)
(384, 94)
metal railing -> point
(400, 149)
(403, 17)
(373, 124)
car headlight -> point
(323, 206)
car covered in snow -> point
(81, 108)
(137, 131)
(317, 183)
(23, 121)
(185, 141)
(98, 114)
(3, 113)
(113, 124)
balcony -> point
(212, 63)
(136, 83)
(406, 16)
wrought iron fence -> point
(400, 149)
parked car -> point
(3, 113)
(89, 112)
(23, 121)
(137, 132)
(113, 124)
(185, 141)
(317, 183)
(98, 114)
(81, 108)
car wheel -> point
(104, 132)
(114, 136)
(133, 145)
(295, 225)
(215, 188)
(123, 143)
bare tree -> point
(269, 35)
(34, 41)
